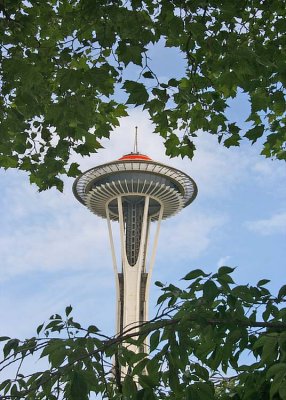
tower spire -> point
(136, 141)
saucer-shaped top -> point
(134, 175)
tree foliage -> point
(66, 64)
(211, 340)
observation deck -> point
(135, 175)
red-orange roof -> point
(135, 156)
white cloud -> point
(267, 168)
(85, 290)
(48, 231)
(51, 238)
(52, 246)
(223, 261)
(269, 226)
(216, 170)
(268, 175)
(52, 231)
(189, 236)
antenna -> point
(136, 141)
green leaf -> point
(148, 75)
(195, 274)
(3, 338)
(242, 292)
(255, 133)
(136, 357)
(154, 340)
(129, 387)
(14, 391)
(68, 310)
(11, 345)
(173, 82)
(225, 270)
(147, 381)
(146, 394)
(4, 384)
(276, 369)
(269, 352)
(282, 292)
(55, 325)
(263, 282)
(205, 391)
(138, 368)
(40, 327)
(174, 381)
(73, 170)
(259, 100)
(57, 357)
(8, 162)
(163, 297)
(201, 372)
(282, 391)
(128, 53)
(233, 140)
(225, 279)
(92, 329)
(276, 384)
(137, 93)
(79, 389)
(210, 290)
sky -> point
(54, 252)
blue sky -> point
(54, 252)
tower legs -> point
(133, 281)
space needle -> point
(136, 192)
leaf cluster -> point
(65, 66)
(212, 339)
